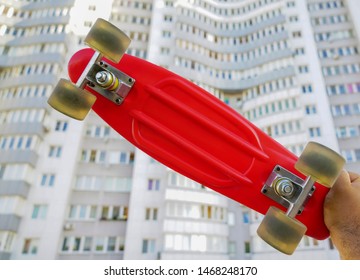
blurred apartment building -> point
(77, 190)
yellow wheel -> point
(321, 163)
(280, 231)
(71, 100)
(108, 40)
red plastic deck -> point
(194, 133)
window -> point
(165, 51)
(2, 171)
(232, 248)
(99, 244)
(76, 245)
(39, 212)
(98, 131)
(246, 217)
(296, 34)
(247, 247)
(61, 126)
(47, 180)
(131, 157)
(151, 214)
(343, 89)
(72, 212)
(348, 155)
(306, 89)
(6, 241)
(211, 212)
(111, 245)
(105, 213)
(168, 18)
(294, 18)
(87, 243)
(15, 172)
(178, 180)
(356, 109)
(114, 213)
(357, 154)
(18, 142)
(148, 246)
(121, 157)
(346, 109)
(153, 184)
(196, 243)
(310, 242)
(93, 212)
(106, 183)
(166, 34)
(310, 109)
(55, 152)
(303, 69)
(299, 51)
(290, 4)
(65, 245)
(314, 132)
(30, 246)
(93, 156)
(231, 219)
(82, 211)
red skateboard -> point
(199, 136)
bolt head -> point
(284, 187)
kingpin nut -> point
(106, 80)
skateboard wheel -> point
(280, 231)
(71, 100)
(108, 40)
(321, 163)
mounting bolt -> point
(103, 78)
(283, 187)
(107, 80)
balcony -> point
(25, 80)
(24, 103)
(9, 222)
(5, 255)
(10, 61)
(14, 188)
(23, 128)
(19, 156)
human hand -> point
(342, 215)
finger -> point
(342, 182)
(354, 177)
(355, 180)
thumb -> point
(342, 183)
(355, 179)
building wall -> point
(33, 51)
(336, 34)
(77, 190)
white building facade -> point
(77, 190)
